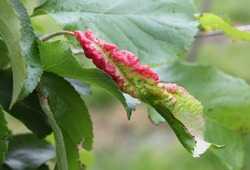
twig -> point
(61, 155)
(221, 33)
(49, 36)
(192, 56)
(200, 35)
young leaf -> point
(147, 27)
(210, 22)
(26, 151)
(57, 57)
(17, 33)
(71, 116)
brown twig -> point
(205, 6)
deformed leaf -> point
(17, 33)
(182, 111)
(57, 57)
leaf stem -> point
(54, 34)
(61, 155)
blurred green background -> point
(137, 144)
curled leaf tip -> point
(200, 147)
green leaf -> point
(69, 109)
(154, 116)
(70, 114)
(146, 27)
(5, 88)
(4, 133)
(57, 57)
(28, 110)
(28, 152)
(30, 113)
(43, 167)
(232, 153)
(4, 60)
(226, 101)
(86, 157)
(246, 141)
(82, 88)
(17, 33)
(30, 5)
(44, 24)
(210, 22)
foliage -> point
(49, 79)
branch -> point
(61, 155)
(192, 56)
(52, 35)
(221, 33)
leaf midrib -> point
(138, 15)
